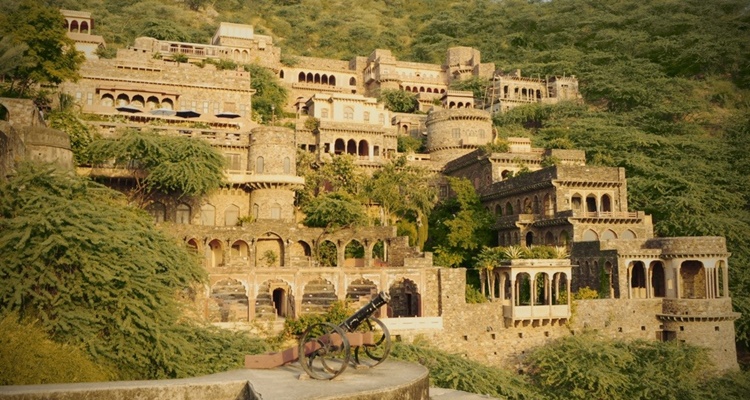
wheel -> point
(324, 351)
(370, 355)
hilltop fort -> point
(657, 288)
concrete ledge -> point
(390, 380)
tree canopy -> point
(170, 165)
(38, 32)
(459, 225)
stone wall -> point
(12, 149)
(480, 332)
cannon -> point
(325, 350)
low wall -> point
(390, 380)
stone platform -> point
(390, 380)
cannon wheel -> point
(326, 355)
(370, 355)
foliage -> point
(496, 146)
(586, 366)
(179, 57)
(270, 257)
(336, 314)
(408, 144)
(333, 211)
(270, 96)
(476, 85)
(92, 271)
(474, 296)
(49, 56)
(164, 29)
(586, 293)
(80, 133)
(399, 100)
(29, 357)
(459, 225)
(455, 371)
(172, 165)
(312, 123)
(403, 190)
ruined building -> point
(265, 266)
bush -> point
(586, 293)
(29, 357)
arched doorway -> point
(657, 279)
(269, 250)
(693, 277)
(637, 274)
(281, 302)
(405, 299)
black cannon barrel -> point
(353, 322)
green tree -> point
(334, 210)
(459, 225)
(402, 189)
(399, 100)
(95, 273)
(270, 96)
(170, 165)
(50, 56)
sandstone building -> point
(264, 266)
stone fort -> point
(260, 258)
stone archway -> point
(693, 278)
(405, 299)
(269, 250)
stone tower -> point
(272, 162)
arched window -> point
(324, 79)
(152, 103)
(157, 211)
(301, 77)
(183, 214)
(576, 202)
(231, 215)
(351, 147)
(590, 236)
(309, 77)
(352, 81)
(208, 215)
(123, 100)
(332, 80)
(606, 203)
(259, 166)
(281, 74)
(591, 203)
(167, 103)
(348, 113)
(137, 101)
(609, 235)
(364, 149)
(339, 147)
(107, 100)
